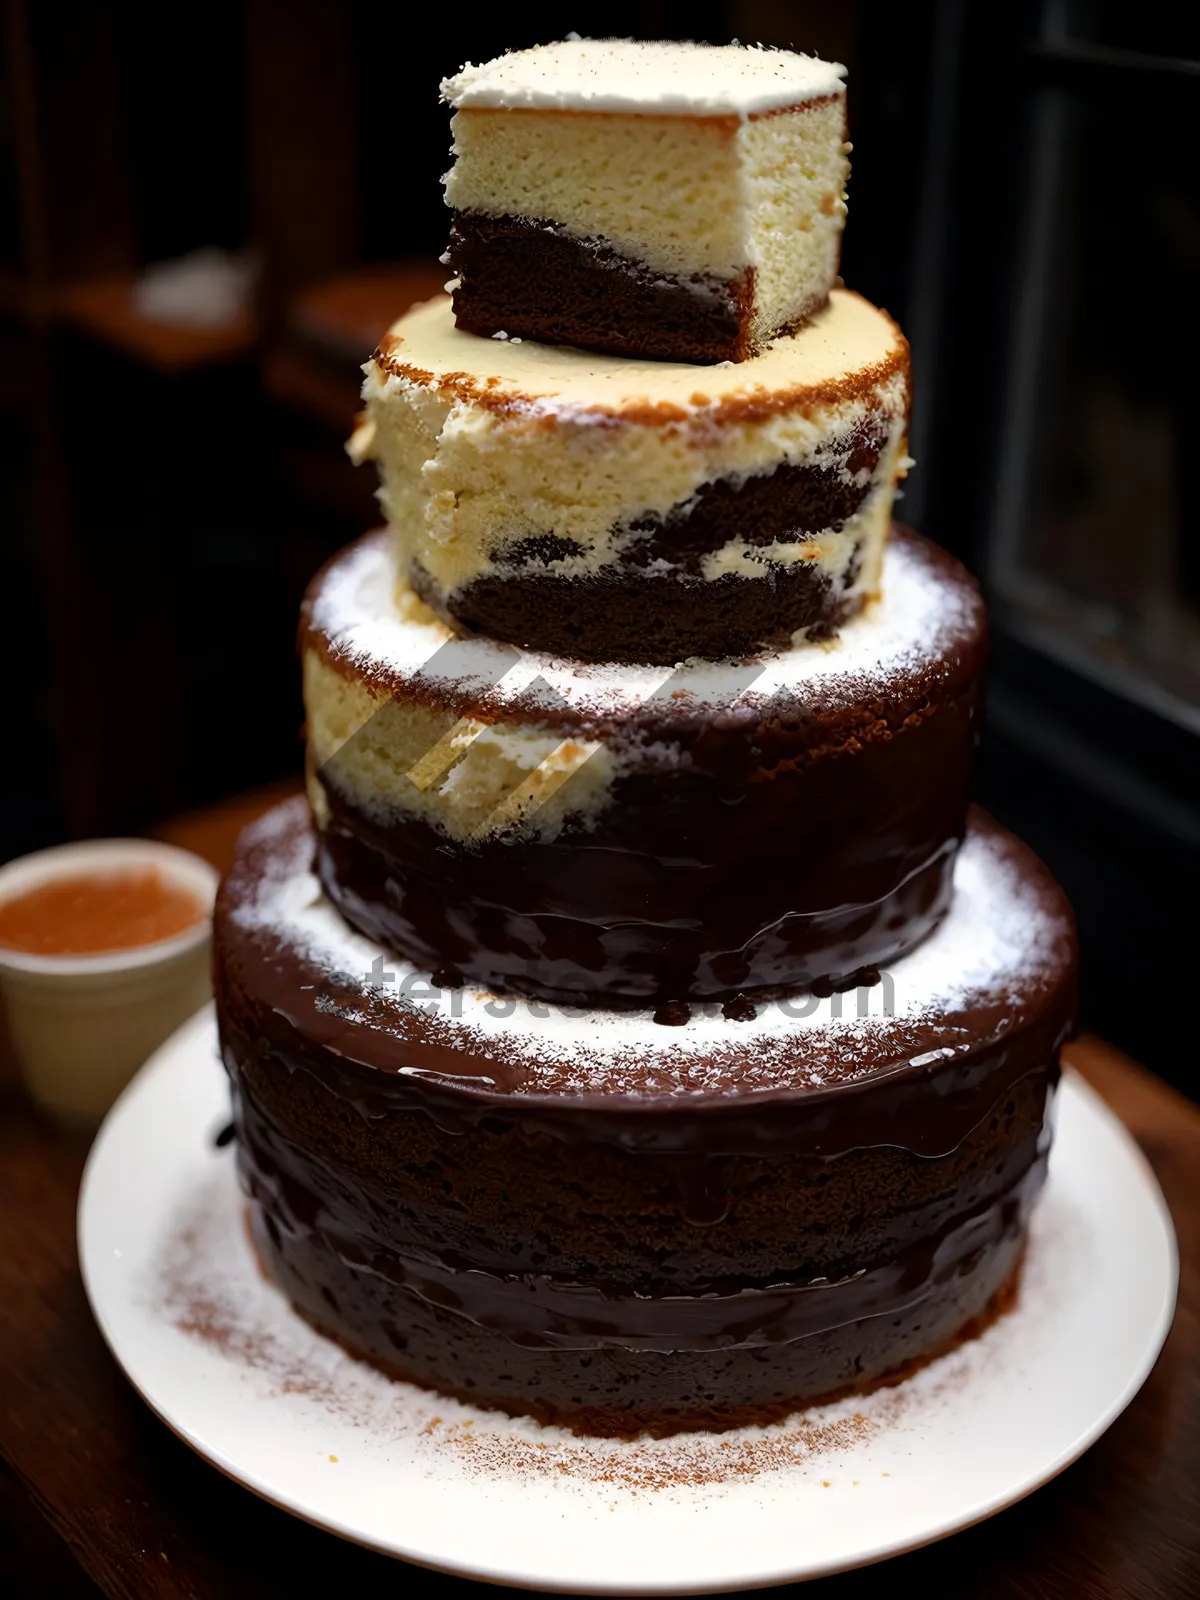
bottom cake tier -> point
(621, 1225)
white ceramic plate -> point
(218, 1354)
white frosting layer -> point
(1001, 938)
(663, 79)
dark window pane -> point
(1160, 27)
(1096, 550)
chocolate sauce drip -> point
(672, 1014)
(917, 1085)
(756, 866)
(926, 1109)
(786, 840)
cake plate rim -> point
(137, 1174)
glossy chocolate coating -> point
(631, 1258)
(677, 893)
(566, 1353)
(783, 844)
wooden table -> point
(98, 1497)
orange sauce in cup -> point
(96, 911)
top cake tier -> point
(681, 202)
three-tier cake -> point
(636, 1028)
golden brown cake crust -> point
(754, 402)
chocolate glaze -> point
(615, 1392)
(620, 1259)
(640, 912)
(920, 1087)
(539, 1312)
(529, 278)
(782, 843)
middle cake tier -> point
(620, 510)
(639, 835)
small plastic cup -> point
(81, 1025)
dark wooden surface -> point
(98, 1497)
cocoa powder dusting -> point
(207, 1284)
(685, 1461)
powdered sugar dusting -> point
(1006, 940)
(204, 1281)
(926, 615)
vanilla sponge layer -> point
(482, 444)
(760, 201)
(467, 777)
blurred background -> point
(210, 212)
